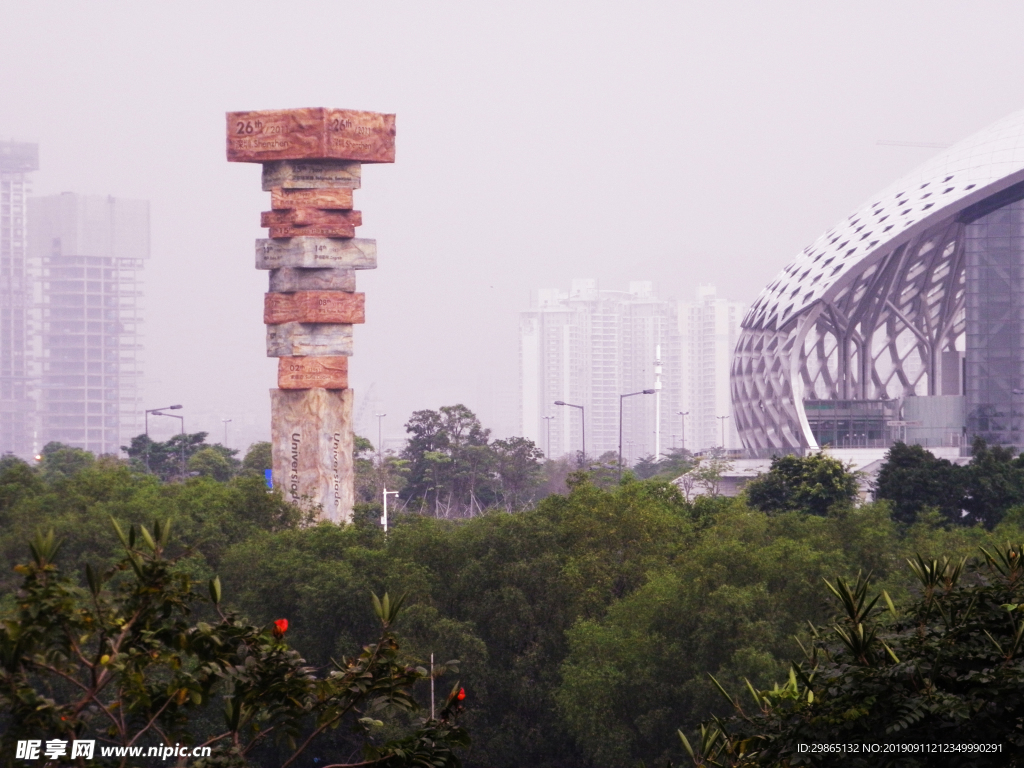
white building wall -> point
(709, 328)
(597, 345)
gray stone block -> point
(309, 339)
(290, 279)
(317, 252)
(311, 174)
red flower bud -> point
(280, 627)
(462, 694)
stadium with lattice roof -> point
(903, 322)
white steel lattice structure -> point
(874, 310)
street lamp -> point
(384, 517)
(583, 425)
(682, 423)
(226, 422)
(156, 411)
(548, 420)
(721, 420)
(621, 398)
(159, 412)
(1016, 392)
(379, 442)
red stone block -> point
(312, 373)
(314, 307)
(311, 222)
(310, 133)
(325, 199)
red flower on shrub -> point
(462, 694)
(280, 627)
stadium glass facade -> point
(903, 322)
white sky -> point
(537, 141)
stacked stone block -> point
(312, 162)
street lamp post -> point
(721, 420)
(548, 420)
(1016, 392)
(157, 411)
(583, 425)
(384, 517)
(380, 443)
(226, 422)
(682, 423)
(621, 398)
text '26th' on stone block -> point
(312, 372)
(312, 133)
(291, 279)
(312, 252)
(311, 448)
(314, 307)
(311, 222)
(309, 340)
(318, 174)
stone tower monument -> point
(312, 161)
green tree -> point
(728, 605)
(646, 467)
(59, 460)
(814, 484)
(948, 668)
(210, 462)
(449, 462)
(168, 459)
(704, 474)
(517, 469)
(913, 480)
(674, 463)
(18, 481)
(258, 458)
(994, 483)
(126, 660)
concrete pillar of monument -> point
(312, 163)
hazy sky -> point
(677, 142)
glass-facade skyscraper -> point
(995, 324)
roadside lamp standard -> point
(583, 426)
(548, 420)
(226, 422)
(682, 423)
(1016, 392)
(621, 398)
(384, 517)
(721, 420)
(157, 412)
(380, 443)
(160, 412)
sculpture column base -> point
(312, 449)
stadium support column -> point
(312, 162)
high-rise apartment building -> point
(17, 408)
(587, 347)
(88, 252)
(708, 327)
